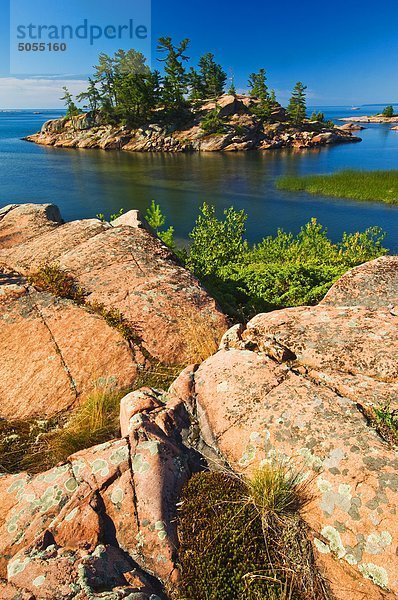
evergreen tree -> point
(232, 89)
(388, 111)
(272, 99)
(212, 75)
(92, 96)
(258, 86)
(297, 105)
(105, 76)
(71, 108)
(259, 90)
(195, 84)
(175, 82)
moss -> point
(227, 550)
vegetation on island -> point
(125, 90)
(281, 271)
(380, 186)
(388, 111)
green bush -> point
(244, 539)
(281, 271)
(213, 123)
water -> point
(86, 182)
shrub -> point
(51, 278)
(245, 539)
(212, 123)
(215, 242)
(281, 271)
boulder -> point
(125, 268)
(373, 284)
(54, 352)
(23, 222)
(102, 525)
(351, 127)
(299, 385)
(227, 105)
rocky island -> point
(299, 386)
(242, 130)
(128, 106)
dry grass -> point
(201, 337)
(51, 278)
(36, 445)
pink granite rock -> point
(104, 520)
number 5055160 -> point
(41, 47)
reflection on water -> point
(86, 182)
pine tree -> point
(71, 108)
(232, 88)
(175, 82)
(297, 105)
(259, 90)
(212, 75)
(258, 86)
(92, 96)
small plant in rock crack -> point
(114, 318)
(386, 422)
(52, 278)
(244, 538)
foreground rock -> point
(243, 131)
(294, 385)
(53, 350)
(101, 525)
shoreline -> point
(241, 131)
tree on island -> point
(297, 106)
(232, 88)
(209, 81)
(175, 82)
(259, 89)
(388, 111)
(92, 95)
(71, 108)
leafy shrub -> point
(281, 271)
(215, 242)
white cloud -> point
(36, 92)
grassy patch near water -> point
(381, 186)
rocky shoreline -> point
(371, 119)
(243, 131)
(291, 385)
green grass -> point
(381, 186)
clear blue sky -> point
(345, 51)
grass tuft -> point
(36, 445)
(245, 539)
(381, 186)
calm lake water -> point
(86, 182)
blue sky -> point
(345, 51)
